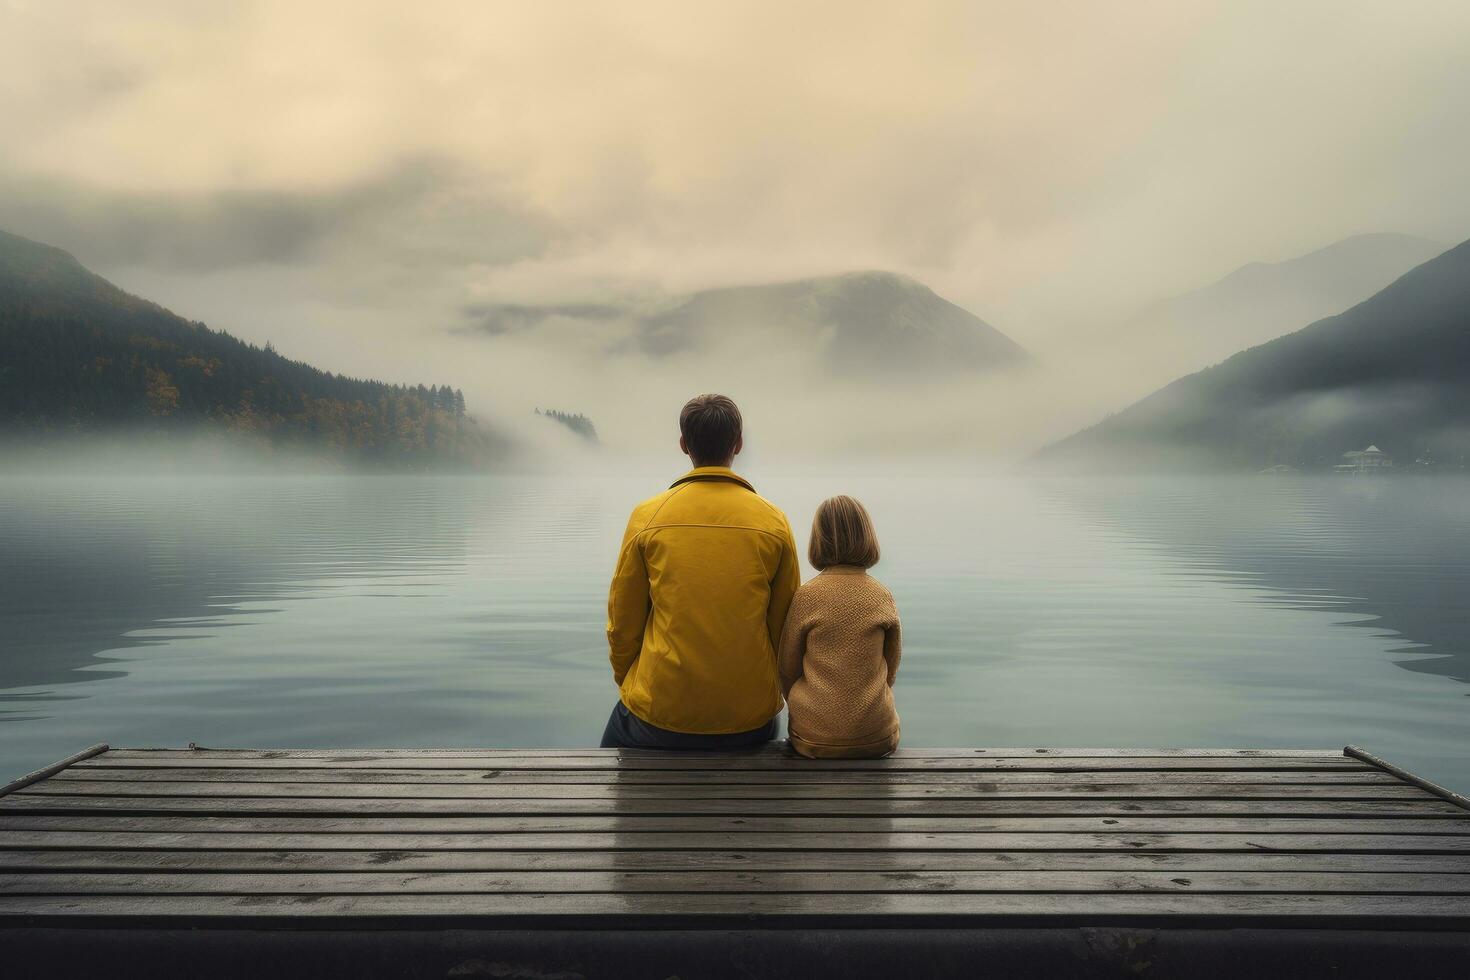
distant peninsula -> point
(578, 423)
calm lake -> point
(468, 611)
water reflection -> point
(1395, 552)
(89, 568)
(736, 824)
(320, 611)
(1383, 565)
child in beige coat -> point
(841, 644)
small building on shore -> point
(1364, 461)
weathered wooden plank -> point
(80, 787)
(826, 805)
(968, 789)
(437, 776)
(1382, 911)
(764, 763)
(773, 748)
(695, 882)
(104, 861)
(486, 802)
(814, 777)
(499, 823)
(737, 805)
(1426, 843)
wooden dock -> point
(1078, 862)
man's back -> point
(705, 576)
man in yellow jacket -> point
(705, 576)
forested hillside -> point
(80, 356)
(1393, 371)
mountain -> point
(867, 321)
(1264, 300)
(78, 356)
(861, 322)
(1393, 371)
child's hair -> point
(842, 534)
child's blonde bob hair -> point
(842, 534)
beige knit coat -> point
(839, 656)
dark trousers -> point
(626, 730)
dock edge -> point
(51, 770)
(1444, 793)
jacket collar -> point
(710, 474)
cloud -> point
(988, 148)
(410, 214)
(500, 318)
(646, 131)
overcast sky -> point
(347, 178)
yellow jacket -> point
(705, 576)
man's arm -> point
(627, 606)
(893, 649)
(783, 587)
(791, 651)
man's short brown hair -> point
(710, 425)
(842, 534)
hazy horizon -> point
(351, 182)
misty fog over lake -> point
(350, 611)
